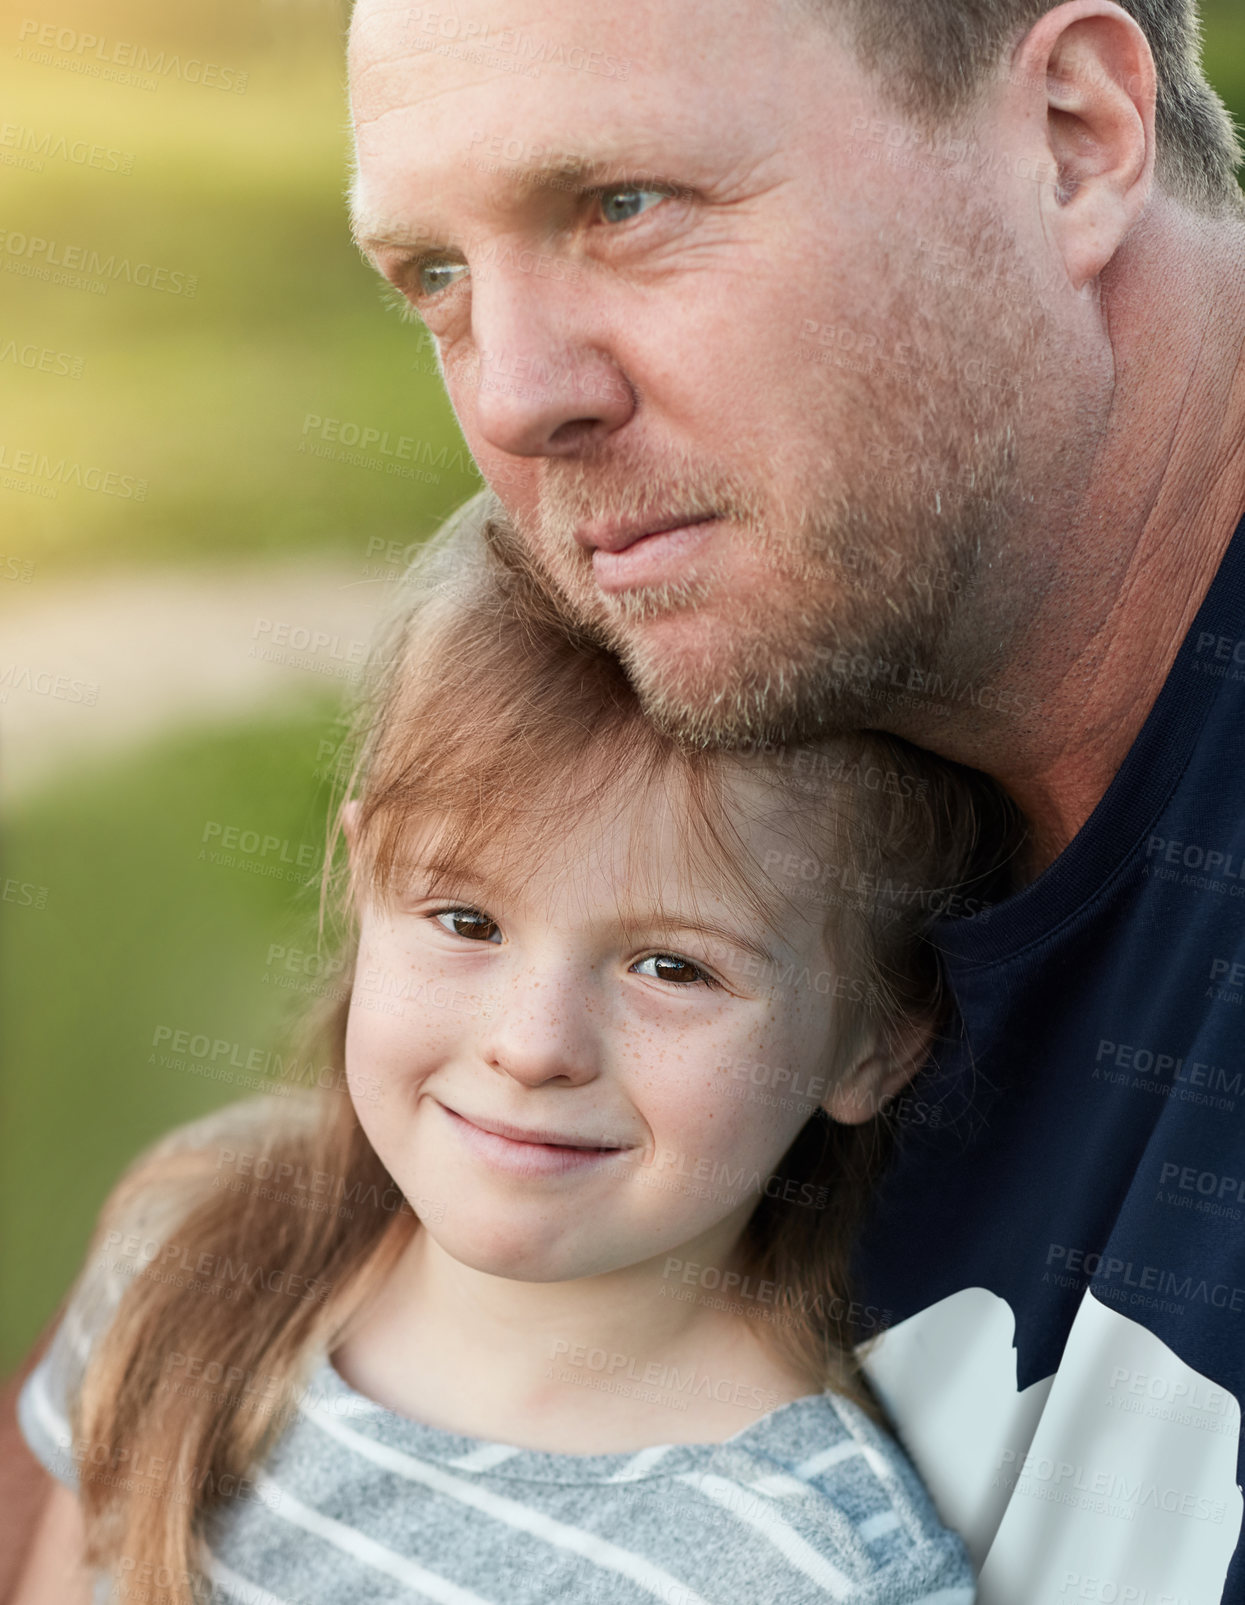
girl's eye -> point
(468, 922)
(670, 967)
(620, 205)
(433, 277)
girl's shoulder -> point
(156, 1191)
(244, 1120)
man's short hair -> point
(935, 55)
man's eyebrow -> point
(518, 183)
(568, 171)
(369, 234)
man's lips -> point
(606, 537)
(626, 559)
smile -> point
(524, 1156)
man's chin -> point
(706, 680)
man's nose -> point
(541, 1031)
(544, 386)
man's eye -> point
(468, 922)
(627, 201)
(670, 967)
(433, 277)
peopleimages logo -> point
(432, 29)
(93, 56)
(42, 146)
(41, 359)
(1140, 1068)
(1191, 855)
(82, 265)
(47, 473)
(1108, 1269)
(1111, 1492)
(43, 683)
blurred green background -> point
(113, 925)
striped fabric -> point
(357, 1504)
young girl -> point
(544, 1297)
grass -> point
(139, 932)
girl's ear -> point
(350, 830)
(350, 822)
(885, 1063)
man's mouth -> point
(606, 536)
(657, 552)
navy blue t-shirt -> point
(1070, 1181)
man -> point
(879, 363)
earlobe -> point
(349, 818)
(1099, 92)
(884, 1067)
(356, 876)
(863, 1092)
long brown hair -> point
(484, 711)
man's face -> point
(746, 362)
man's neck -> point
(1174, 569)
(1134, 562)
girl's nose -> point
(541, 1030)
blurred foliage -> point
(1224, 52)
(141, 929)
(206, 396)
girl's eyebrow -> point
(451, 882)
(431, 879)
(739, 940)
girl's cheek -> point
(715, 1113)
(365, 1058)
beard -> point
(856, 560)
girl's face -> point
(656, 1044)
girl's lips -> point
(527, 1158)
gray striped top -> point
(357, 1505)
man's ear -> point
(885, 1063)
(1087, 79)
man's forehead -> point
(586, 57)
(639, 34)
(555, 93)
